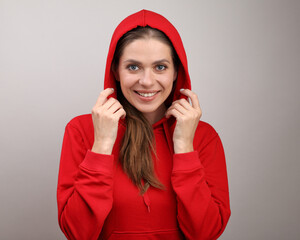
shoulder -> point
(205, 128)
(81, 122)
(205, 133)
(81, 127)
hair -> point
(138, 143)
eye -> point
(160, 67)
(133, 67)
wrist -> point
(183, 148)
(102, 148)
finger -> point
(193, 96)
(184, 103)
(173, 112)
(120, 113)
(103, 96)
(114, 107)
(180, 108)
(109, 103)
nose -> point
(147, 79)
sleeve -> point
(199, 180)
(84, 191)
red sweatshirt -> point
(96, 199)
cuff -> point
(186, 161)
(98, 162)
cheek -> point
(127, 82)
(167, 81)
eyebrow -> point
(137, 62)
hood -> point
(148, 18)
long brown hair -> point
(138, 145)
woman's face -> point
(146, 73)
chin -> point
(146, 110)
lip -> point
(146, 99)
(147, 91)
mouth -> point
(146, 94)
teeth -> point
(147, 94)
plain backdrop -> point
(244, 62)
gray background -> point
(244, 59)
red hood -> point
(147, 18)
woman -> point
(142, 165)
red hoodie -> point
(96, 199)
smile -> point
(149, 94)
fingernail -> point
(112, 89)
(181, 89)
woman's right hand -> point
(106, 114)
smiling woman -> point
(139, 57)
(146, 73)
(143, 165)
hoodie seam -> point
(143, 18)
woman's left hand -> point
(187, 116)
